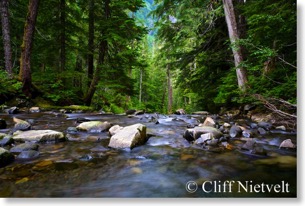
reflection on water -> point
(161, 168)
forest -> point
(148, 98)
(158, 56)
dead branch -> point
(270, 103)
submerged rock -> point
(7, 140)
(39, 136)
(94, 126)
(29, 154)
(249, 145)
(129, 137)
(24, 147)
(5, 157)
(72, 130)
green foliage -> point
(8, 87)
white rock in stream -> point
(129, 137)
(38, 136)
(94, 126)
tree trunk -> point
(141, 79)
(62, 35)
(26, 47)
(170, 91)
(103, 47)
(6, 37)
(234, 37)
(77, 81)
(91, 42)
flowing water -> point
(85, 167)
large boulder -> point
(196, 132)
(94, 126)
(129, 137)
(115, 129)
(39, 136)
(5, 157)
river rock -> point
(287, 143)
(3, 124)
(130, 112)
(209, 122)
(226, 125)
(24, 147)
(39, 136)
(13, 110)
(253, 125)
(7, 140)
(21, 124)
(235, 131)
(247, 133)
(196, 132)
(29, 154)
(34, 109)
(261, 131)
(139, 112)
(94, 126)
(283, 128)
(259, 150)
(5, 157)
(212, 142)
(203, 138)
(180, 112)
(265, 125)
(249, 145)
(129, 137)
(72, 130)
(115, 129)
